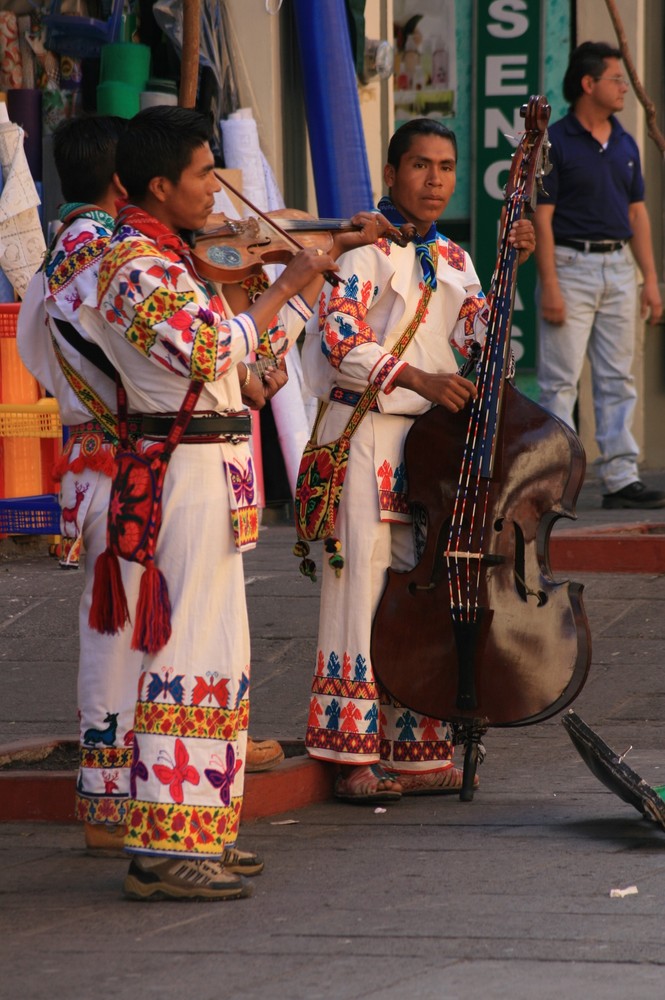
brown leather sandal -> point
(367, 783)
(446, 782)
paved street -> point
(435, 899)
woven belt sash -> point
(349, 396)
(77, 432)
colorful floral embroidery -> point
(62, 270)
(206, 722)
(245, 524)
(178, 828)
(106, 757)
(100, 809)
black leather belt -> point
(203, 427)
(602, 246)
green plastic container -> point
(117, 98)
(126, 62)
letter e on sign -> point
(500, 70)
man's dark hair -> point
(403, 137)
(588, 59)
(84, 152)
(159, 142)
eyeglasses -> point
(621, 81)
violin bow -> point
(401, 235)
(278, 229)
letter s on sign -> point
(506, 10)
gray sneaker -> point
(183, 878)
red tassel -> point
(108, 612)
(152, 626)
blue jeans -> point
(600, 293)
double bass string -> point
(481, 438)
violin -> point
(229, 250)
(478, 632)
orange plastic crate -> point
(8, 318)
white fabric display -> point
(242, 150)
(22, 242)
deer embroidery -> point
(70, 514)
(106, 736)
(110, 782)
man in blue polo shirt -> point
(586, 227)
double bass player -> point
(381, 749)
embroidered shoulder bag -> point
(133, 523)
(323, 466)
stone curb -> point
(613, 548)
(48, 796)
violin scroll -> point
(402, 235)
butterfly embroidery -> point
(166, 275)
(197, 829)
(181, 320)
(165, 687)
(155, 831)
(209, 689)
(116, 313)
(137, 770)
(222, 780)
(174, 774)
(242, 482)
(132, 286)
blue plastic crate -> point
(82, 37)
(38, 515)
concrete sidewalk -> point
(507, 896)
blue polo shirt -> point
(591, 187)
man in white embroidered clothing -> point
(381, 749)
(50, 339)
(163, 328)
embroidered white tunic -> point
(160, 328)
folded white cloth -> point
(22, 243)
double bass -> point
(478, 632)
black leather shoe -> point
(635, 496)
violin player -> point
(380, 749)
(164, 330)
(592, 227)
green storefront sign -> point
(507, 59)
